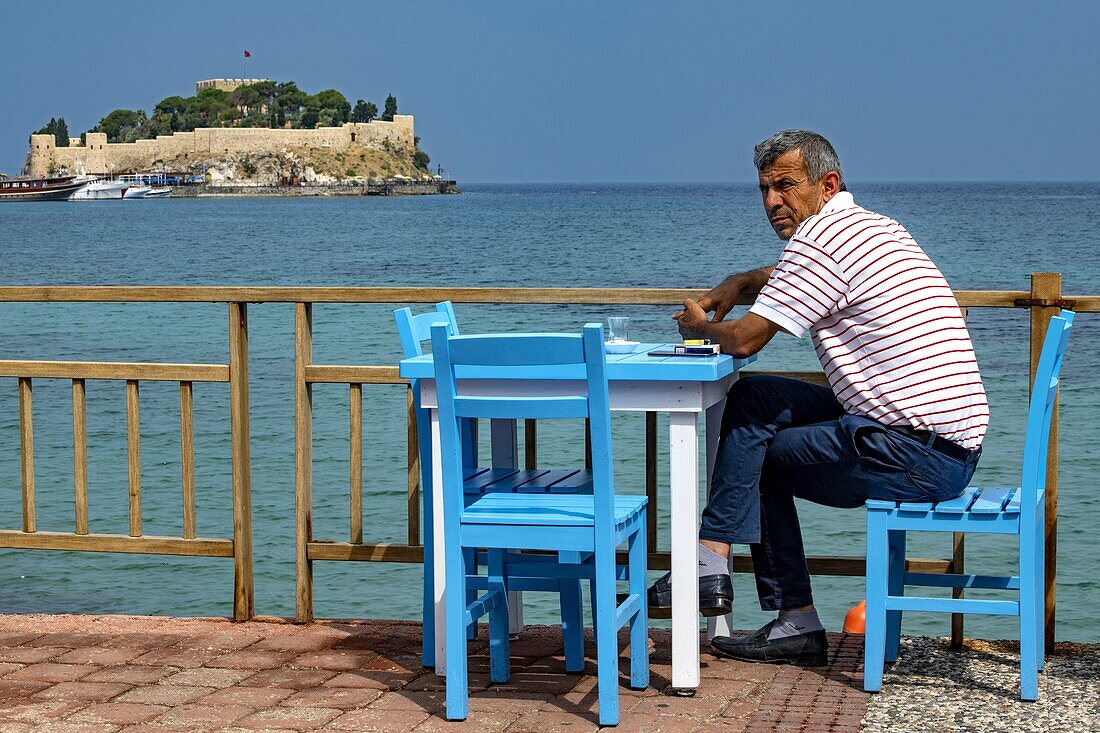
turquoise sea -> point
(983, 236)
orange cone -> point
(855, 621)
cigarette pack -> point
(697, 349)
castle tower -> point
(95, 157)
(40, 161)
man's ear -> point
(830, 185)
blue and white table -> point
(682, 386)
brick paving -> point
(104, 674)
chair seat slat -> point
(564, 511)
(559, 480)
(960, 503)
(482, 480)
(992, 501)
(1013, 505)
(518, 480)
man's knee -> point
(754, 395)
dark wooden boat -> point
(39, 189)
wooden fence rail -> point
(1042, 301)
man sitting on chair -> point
(904, 418)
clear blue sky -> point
(609, 91)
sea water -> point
(983, 236)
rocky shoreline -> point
(380, 188)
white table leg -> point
(503, 439)
(440, 553)
(716, 625)
(683, 430)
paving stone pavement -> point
(103, 674)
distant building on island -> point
(97, 156)
(226, 85)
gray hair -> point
(817, 153)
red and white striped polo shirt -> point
(885, 324)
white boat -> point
(147, 192)
(145, 185)
(100, 189)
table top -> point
(635, 366)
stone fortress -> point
(99, 157)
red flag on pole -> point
(247, 55)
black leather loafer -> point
(715, 596)
(806, 650)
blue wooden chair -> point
(995, 510)
(413, 331)
(583, 529)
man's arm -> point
(723, 297)
(741, 338)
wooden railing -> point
(1043, 300)
(235, 374)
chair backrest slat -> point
(526, 350)
(1043, 394)
(520, 408)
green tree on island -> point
(334, 105)
(391, 108)
(61, 134)
(290, 97)
(121, 125)
(263, 104)
(58, 129)
(364, 111)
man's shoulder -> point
(835, 226)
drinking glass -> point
(617, 326)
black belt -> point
(937, 443)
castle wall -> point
(98, 156)
(226, 85)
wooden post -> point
(187, 458)
(26, 453)
(303, 461)
(80, 456)
(1046, 287)
(243, 591)
(958, 563)
(133, 442)
(355, 474)
(651, 479)
(413, 446)
(530, 444)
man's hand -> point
(692, 320)
(723, 297)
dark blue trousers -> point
(784, 439)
